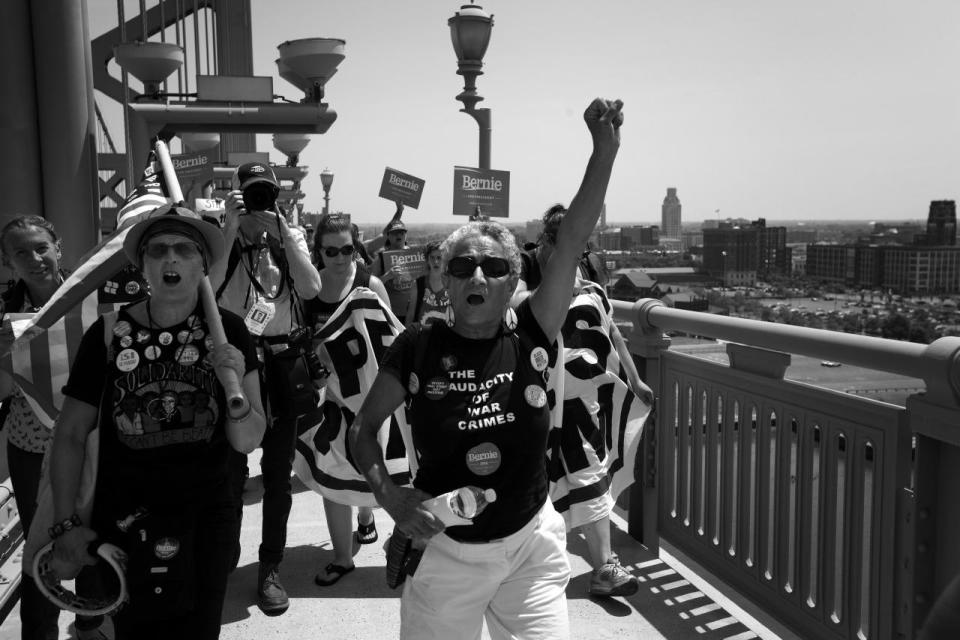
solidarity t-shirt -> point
(162, 422)
(479, 417)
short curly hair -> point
(493, 230)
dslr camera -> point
(294, 375)
(260, 196)
(300, 343)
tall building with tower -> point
(670, 215)
(942, 224)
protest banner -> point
(411, 262)
(401, 187)
(486, 189)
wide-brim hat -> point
(174, 219)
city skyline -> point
(815, 112)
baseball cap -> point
(173, 219)
(395, 225)
(254, 172)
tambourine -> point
(49, 584)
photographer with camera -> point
(267, 274)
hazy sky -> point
(787, 110)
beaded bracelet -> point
(61, 528)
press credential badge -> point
(259, 316)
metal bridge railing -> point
(836, 514)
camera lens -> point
(259, 197)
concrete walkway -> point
(361, 607)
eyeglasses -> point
(465, 266)
(345, 250)
(185, 250)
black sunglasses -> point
(185, 250)
(345, 250)
(465, 266)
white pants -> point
(517, 583)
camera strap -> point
(251, 248)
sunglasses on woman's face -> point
(185, 250)
(345, 250)
(465, 266)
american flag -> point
(46, 341)
(363, 327)
(596, 427)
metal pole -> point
(18, 117)
(482, 116)
(67, 122)
(326, 202)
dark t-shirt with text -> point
(479, 417)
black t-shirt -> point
(318, 312)
(479, 417)
(162, 416)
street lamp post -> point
(470, 30)
(326, 179)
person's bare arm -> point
(552, 298)
(403, 504)
(306, 278)
(243, 434)
(76, 420)
(412, 304)
(232, 206)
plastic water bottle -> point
(461, 505)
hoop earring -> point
(510, 319)
(451, 320)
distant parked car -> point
(829, 363)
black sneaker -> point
(271, 596)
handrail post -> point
(935, 521)
(646, 344)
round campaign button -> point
(127, 360)
(152, 352)
(126, 341)
(183, 337)
(413, 385)
(193, 322)
(188, 354)
(582, 324)
(122, 328)
(448, 362)
(142, 336)
(197, 335)
(165, 338)
(539, 359)
(535, 396)
(132, 288)
(208, 343)
(437, 388)
(166, 548)
(484, 459)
